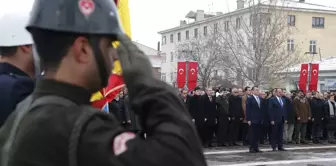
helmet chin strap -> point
(103, 73)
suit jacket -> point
(244, 98)
(210, 110)
(277, 112)
(254, 111)
(235, 107)
(196, 109)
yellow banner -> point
(124, 15)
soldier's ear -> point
(81, 50)
(26, 48)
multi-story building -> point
(313, 31)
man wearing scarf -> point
(303, 115)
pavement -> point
(302, 155)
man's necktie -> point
(281, 103)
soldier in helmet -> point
(16, 63)
(56, 125)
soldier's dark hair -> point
(52, 46)
(245, 89)
(8, 51)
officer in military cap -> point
(16, 63)
(56, 124)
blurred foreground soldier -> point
(16, 63)
(222, 102)
(56, 124)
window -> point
(205, 30)
(237, 23)
(195, 32)
(312, 46)
(171, 57)
(171, 38)
(163, 76)
(164, 40)
(291, 20)
(226, 25)
(187, 35)
(163, 57)
(290, 45)
(179, 36)
(215, 27)
(318, 22)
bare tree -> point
(256, 42)
(206, 50)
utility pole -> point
(187, 72)
(309, 76)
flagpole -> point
(309, 76)
(187, 71)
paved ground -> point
(323, 155)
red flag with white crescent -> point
(314, 77)
(303, 77)
(192, 75)
(181, 74)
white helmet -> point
(13, 30)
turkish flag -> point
(192, 75)
(303, 77)
(116, 83)
(314, 77)
(181, 74)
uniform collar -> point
(6, 68)
(74, 93)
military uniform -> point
(16, 85)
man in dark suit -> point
(210, 113)
(254, 117)
(278, 117)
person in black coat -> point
(236, 115)
(329, 110)
(222, 102)
(266, 127)
(210, 111)
(291, 118)
(196, 110)
(317, 108)
(184, 97)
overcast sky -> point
(150, 16)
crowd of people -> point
(224, 117)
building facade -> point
(313, 27)
(326, 80)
